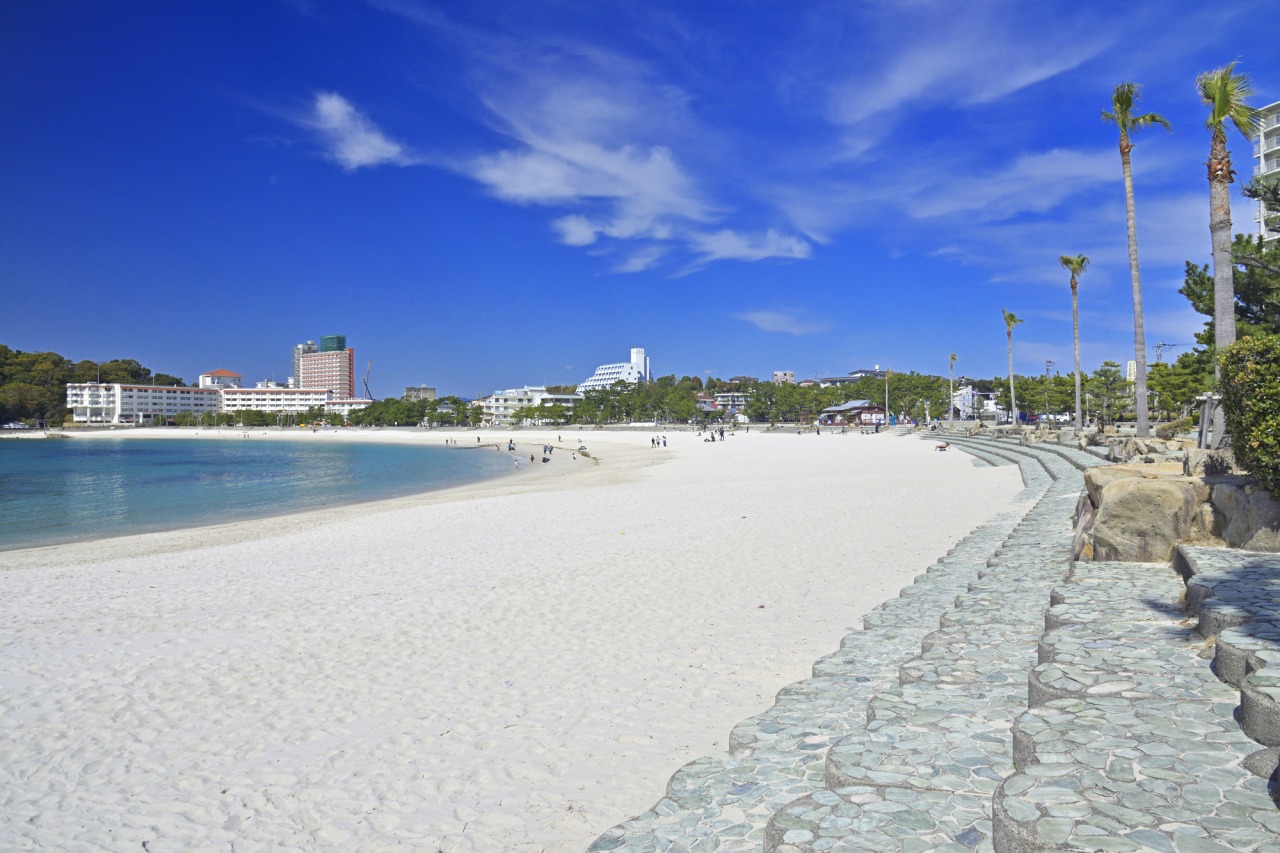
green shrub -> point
(1173, 429)
(1251, 401)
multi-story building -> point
(421, 392)
(1267, 152)
(633, 372)
(851, 376)
(731, 401)
(498, 407)
(299, 350)
(274, 398)
(332, 370)
(117, 403)
(333, 343)
(784, 377)
(218, 391)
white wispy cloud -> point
(940, 57)
(733, 245)
(607, 141)
(1032, 183)
(350, 139)
(641, 259)
(786, 321)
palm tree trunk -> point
(1139, 329)
(1013, 401)
(1224, 297)
(1075, 327)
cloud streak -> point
(786, 321)
(350, 139)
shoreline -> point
(517, 666)
(204, 535)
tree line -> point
(33, 385)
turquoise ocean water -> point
(55, 491)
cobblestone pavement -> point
(1048, 706)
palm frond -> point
(1225, 92)
(1075, 264)
(1149, 119)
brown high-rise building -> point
(334, 371)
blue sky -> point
(482, 195)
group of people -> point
(658, 441)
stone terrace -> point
(1038, 705)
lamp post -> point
(1048, 365)
(951, 392)
(886, 397)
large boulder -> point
(1202, 463)
(1249, 516)
(1098, 478)
(1140, 519)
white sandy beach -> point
(515, 665)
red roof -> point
(223, 372)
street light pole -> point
(1048, 365)
(951, 392)
(886, 397)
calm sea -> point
(55, 491)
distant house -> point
(852, 413)
(727, 404)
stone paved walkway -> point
(1043, 706)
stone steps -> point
(922, 773)
(1051, 706)
(1130, 743)
(724, 803)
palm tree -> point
(1076, 265)
(951, 390)
(1011, 320)
(1224, 92)
(1122, 101)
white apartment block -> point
(633, 372)
(1267, 152)
(498, 407)
(274, 399)
(218, 391)
(96, 403)
(784, 377)
(731, 400)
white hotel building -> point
(632, 372)
(1267, 152)
(499, 406)
(219, 391)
